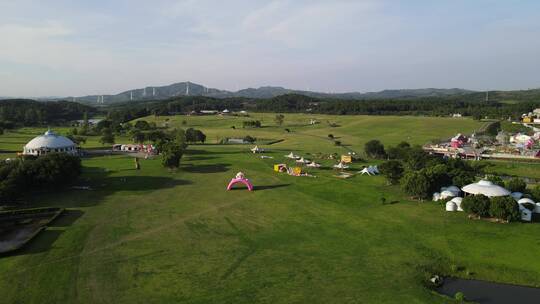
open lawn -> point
(154, 236)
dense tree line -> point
(28, 174)
(24, 112)
(292, 103)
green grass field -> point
(154, 236)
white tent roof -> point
(291, 155)
(313, 164)
(366, 171)
(486, 188)
(516, 195)
(453, 189)
(341, 166)
(526, 200)
(49, 140)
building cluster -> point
(216, 112)
(531, 117)
(502, 146)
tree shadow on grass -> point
(67, 218)
(269, 187)
(40, 243)
(198, 158)
(205, 152)
(100, 185)
(212, 168)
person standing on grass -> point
(137, 164)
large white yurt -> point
(486, 188)
(48, 143)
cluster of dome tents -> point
(488, 189)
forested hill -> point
(193, 89)
(473, 105)
(26, 112)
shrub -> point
(392, 170)
(337, 143)
(516, 185)
(331, 136)
(171, 152)
(48, 171)
(249, 139)
(459, 296)
(504, 208)
(279, 119)
(375, 149)
(476, 204)
(535, 193)
(251, 124)
(496, 180)
(416, 184)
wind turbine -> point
(187, 89)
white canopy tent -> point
(292, 156)
(256, 149)
(486, 188)
(303, 161)
(313, 165)
(341, 166)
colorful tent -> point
(244, 181)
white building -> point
(48, 143)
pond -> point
(484, 292)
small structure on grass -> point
(371, 170)
(292, 156)
(256, 149)
(341, 166)
(457, 201)
(451, 206)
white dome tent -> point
(486, 188)
(447, 193)
(451, 206)
(48, 143)
(457, 201)
(526, 201)
(516, 195)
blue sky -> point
(100, 47)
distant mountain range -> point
(193, 89)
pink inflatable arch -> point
(244, 181)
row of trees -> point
(24, 175)
(472, 105)
(502, 207)
(24, 112)
(419, 173)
